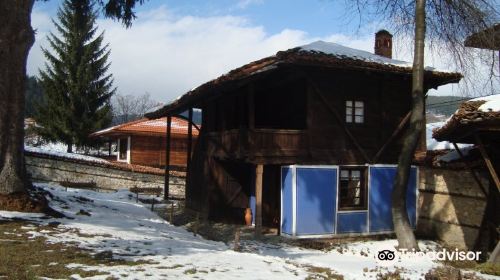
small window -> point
(352, 191)
(354, 111)
(122, 154)
(387, 43)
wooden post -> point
(487, 160)
(189, 143)
(172, 213)
(470, 169)
(167, 158)
(236, 246)
(109, 146)
(251, 107)
(258, 199)
(196, 224)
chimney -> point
(383, 43)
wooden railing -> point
(260, 142)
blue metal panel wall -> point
(287, 200)
(352, 222)
(381, 180)
(316, 195)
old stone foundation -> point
(451, 206)
(51, 169)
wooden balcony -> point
(258, 143)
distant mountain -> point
(443, 105)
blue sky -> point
(174, 46)
(318, 17)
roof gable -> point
(152, 127)
(319, 53)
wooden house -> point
(143, 142)
(307, 138)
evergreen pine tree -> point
(76, 86)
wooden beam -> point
(167, 158)
(476, 178)
(487, 160)
(190, 139)
(190, 121)
(235, 195)
(340, 120)
(251, 107)
(259, 168)
(395, 134)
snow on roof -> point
(315, 53)
(343, 51)
(492, 103)
(346, 52)
(150, 127)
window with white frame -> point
(352, 191)
(354, 111)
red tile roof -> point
(154, 127)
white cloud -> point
(166, 55)
(242, 4)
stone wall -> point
(451, 206)
(55, 170)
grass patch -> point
(25, 258)
(323, 273)
(486, 268)
(190, 271)
(175, 266)
(395, 275)
(489, 268)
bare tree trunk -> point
(404, 232)
(16, 39)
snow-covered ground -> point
(59, 149)
(129, 230)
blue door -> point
(316, 200)
(381, 180)
(287, 186)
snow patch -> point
(346, 52)
(433, 144)
(492, 103)
(56, 150)
(130, 231)
(20, 215)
